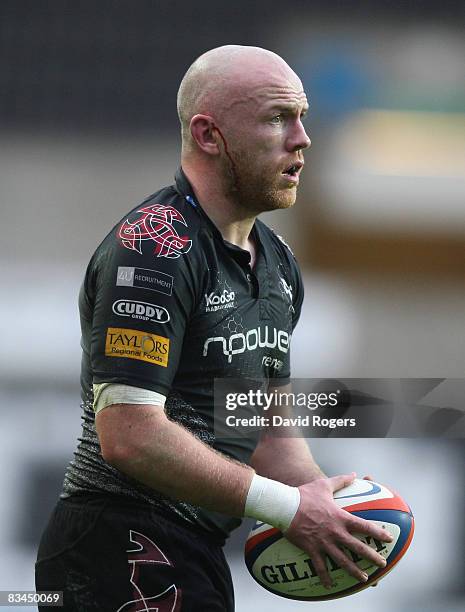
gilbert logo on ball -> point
(285, 570)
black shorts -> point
(118, 556)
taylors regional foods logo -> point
(135, 344)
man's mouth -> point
(294, 169)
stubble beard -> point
(255, 189)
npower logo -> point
(141, 310)
(216, 301)
(267, 337)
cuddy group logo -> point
(267, 337)
(219, 301)
(144, 278)
(156, 224)
(135, 344)
(144, 311)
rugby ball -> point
(285, 570)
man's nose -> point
(299, 139)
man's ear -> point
(204, 133)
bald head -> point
(222, 78)
(241, 111)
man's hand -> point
(321, 528)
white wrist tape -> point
(272, 502)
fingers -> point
(345, 563)
(363, 551)
(355, 524)
(369, 477)
(339, 482)
(321, 528)
(320, 567)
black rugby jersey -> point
(168, 305)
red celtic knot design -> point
(156, 223)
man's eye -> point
(277, 119)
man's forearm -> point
(288, 460)
(168, 458)
(284, 455)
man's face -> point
(264, 139)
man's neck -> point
(233, 221)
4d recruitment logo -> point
(135, 344)
(144, 278)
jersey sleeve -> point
(141, 306)
(298, 294)
(284, 374)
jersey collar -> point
(182, 183)
(184, 188)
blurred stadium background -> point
(88, 128)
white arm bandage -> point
(106, 394)
(272, 502)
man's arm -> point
(282, 453)
(142, 442)
(287, 459)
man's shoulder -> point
(159, 236)
(164, 224)
(276, 242)
(166, 199)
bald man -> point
(190, 286)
